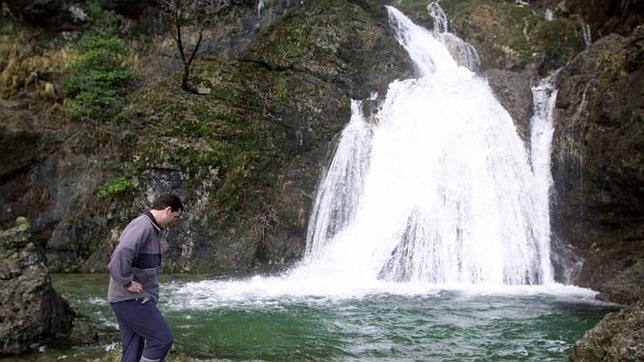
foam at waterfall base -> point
(266, 292)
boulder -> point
(617, 337)
(32, 312)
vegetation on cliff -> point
(99, 81)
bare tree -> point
(198, 13)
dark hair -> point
(164, 200)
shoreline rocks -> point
(32, 312)
(617, 337)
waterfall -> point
(439, 17)
(463, 52)
(338, 196)
(541, 131)
(439, 188)
(585, 32)
(260, 8)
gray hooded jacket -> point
(137, 257)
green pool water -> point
(241, 320)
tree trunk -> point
(186, 77)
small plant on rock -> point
(114, 186)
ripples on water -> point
(439, 325)
(239, 320)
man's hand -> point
(135, 287)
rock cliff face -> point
(32, 312)
(606, 17)
(597, 159)
(247, 157)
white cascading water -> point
(439, 188)
(338, 197)
(541, 131)
(462, 51)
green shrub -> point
(99, 81)
(114, 186)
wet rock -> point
(32, 312)
(348, 44)
(513, 91)
(248, 156)
(173, 356)
(596, 161)
(617, 337)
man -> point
(133, 291)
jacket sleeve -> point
(120, 266)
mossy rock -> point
(513, 37)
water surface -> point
(240, 320)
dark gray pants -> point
(145, 335)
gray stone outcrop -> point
(32, 312)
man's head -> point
(166, 209)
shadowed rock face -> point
(598, 167)
(56, 13)
(617, 337)
(606, 17)
(32, 312)
(40, 12)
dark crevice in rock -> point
(271, 67)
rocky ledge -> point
(617, 337)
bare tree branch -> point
(184, 13)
